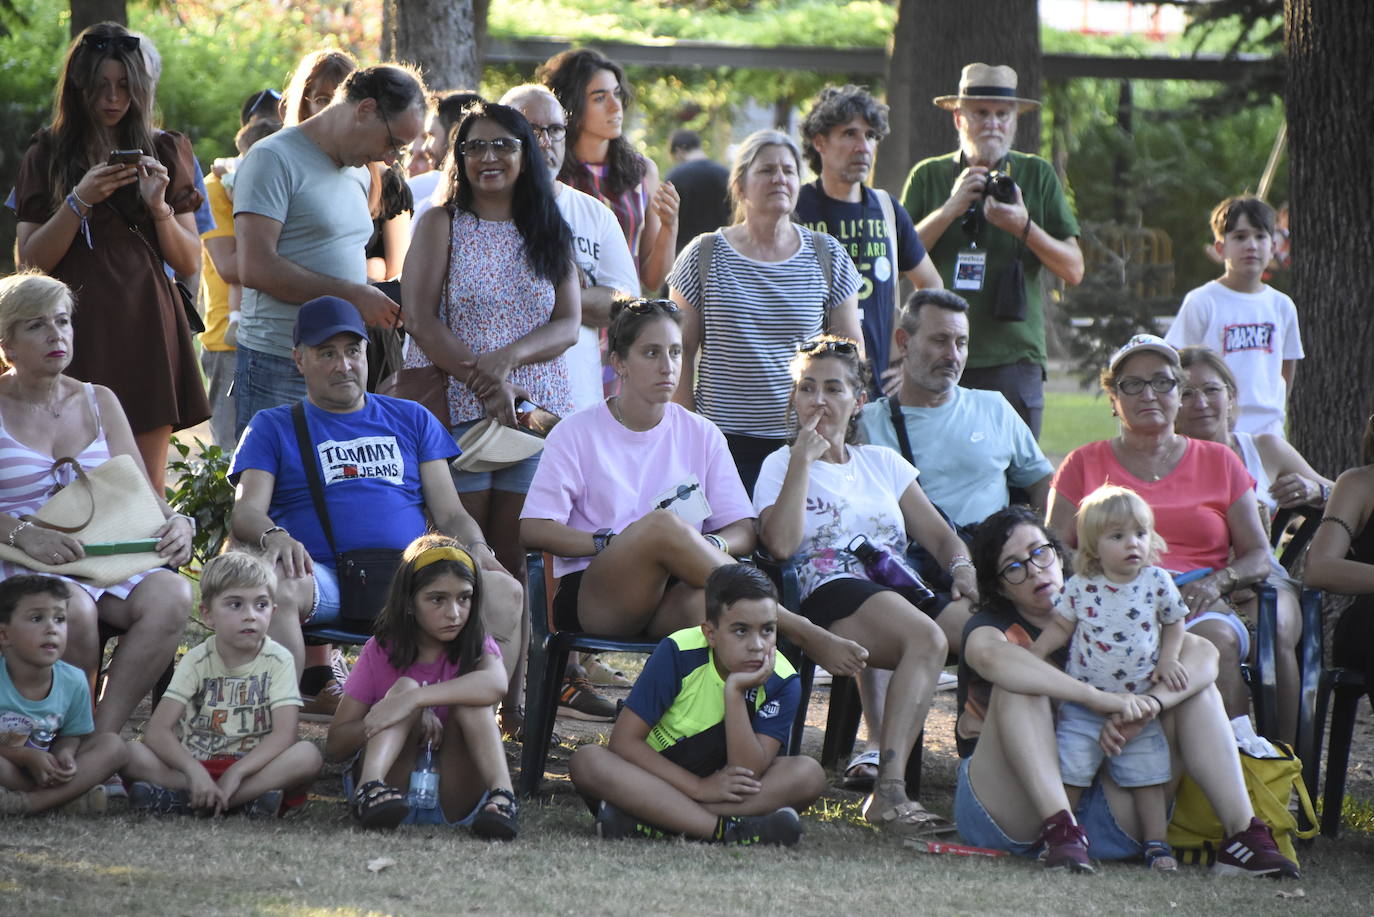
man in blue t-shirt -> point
(840, 136)
(695, 751)
(383, 463)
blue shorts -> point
(434, 816)
(1143, 762)
(514, 479)
(1107, 840)
(262, 381)
(325, 610)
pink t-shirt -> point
(1189, 503)
(595, 474)
(373, 674)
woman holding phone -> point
(106, 204)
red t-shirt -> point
(1189, 503)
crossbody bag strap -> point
(827, 269)
(312, 473)
(90, 492)
(890, 224)
(899, 424)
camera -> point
(1000, 187)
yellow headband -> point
(445, 552)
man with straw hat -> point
(991, 218)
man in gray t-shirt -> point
(302, 222)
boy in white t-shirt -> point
(1253, 326)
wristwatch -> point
(601, 538)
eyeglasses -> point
(822, 346)
(1002, 116)
(550, 132)
(393, 144)
(1015, 573)
(501, 146)
(1133, 385)
(1211, 390)
(649, 306)
(264, 96)
(127, 44)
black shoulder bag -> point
(364, 574)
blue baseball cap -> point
(323, 317)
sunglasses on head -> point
(649, 306)
(265, 95)
(128, 44)
(819, 346)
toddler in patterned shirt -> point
(1123, 619)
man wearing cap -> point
(383, 463)
(302, 224)
(840, 136)
(978, 240)
(603, 256)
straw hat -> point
(987, 83)
(489, 446)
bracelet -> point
(1025, 233)
(1230, 573)
(1157, 701)
(262, 539)
(473, 544)
(171, 212)
(1342, 523)
(194, 528)
(14, 532)
(1325, 491)
(957, 561)
(72, 202)
(720, 543)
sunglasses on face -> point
(649, 306)
(126, 44)
(1131, 385)
(501, 146)
(821, 347)
(1015, 573)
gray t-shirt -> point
(325, 225)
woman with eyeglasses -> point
(491, 298)
(1202, 497)
(769, 283)
(819, 500)
(1008, 794)
(1283, 479)
(601, 160)
(109, 226)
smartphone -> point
(125, 157)
(534, 418)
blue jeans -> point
(262, 381)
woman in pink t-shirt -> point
(1201, 495)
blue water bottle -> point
(424, 781)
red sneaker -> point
(1252, 852)
(1066, 846)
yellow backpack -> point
(1195, 832)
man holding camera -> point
(990, 218)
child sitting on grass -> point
(1126, 621)
(428, 679)
(48, 754)
(695, 751)
(234, 701)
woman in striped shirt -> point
(768, 285)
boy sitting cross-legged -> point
(49, 755)
(235, 703)
(694, 752)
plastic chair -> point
(548, 657)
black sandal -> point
(377, 805)
(497, 825)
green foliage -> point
(204, 493)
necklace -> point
(1145, 467)
(51, 407)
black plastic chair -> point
(548, 657)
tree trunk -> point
(89, 12)
(933, 41)
(437, 36)
(1330, 134)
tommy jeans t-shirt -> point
(369, 463)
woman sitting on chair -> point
(817, 499)
(639, 500)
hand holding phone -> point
(125, 157)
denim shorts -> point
(325, 610)
(1143, 762)
(1107, 840)
(514, 479)
(262, 381)
(434, 816)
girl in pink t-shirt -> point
(427, 682)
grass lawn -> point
(1073, 419)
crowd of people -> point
(723, 387)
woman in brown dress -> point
(105, 228)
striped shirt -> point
(754, 313)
